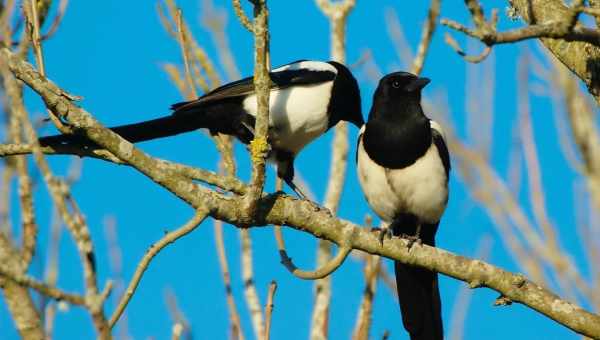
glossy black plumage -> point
(307, 99)
(403, 167)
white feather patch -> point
(310, 65)
(297, 114)
(436, 126)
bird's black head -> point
(401, 85)
(345, 98)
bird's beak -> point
(417, 84)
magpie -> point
(307, 98)
(403, 166)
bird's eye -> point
(396, 84)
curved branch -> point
(145, 262)
(320, 273)
(470, 58)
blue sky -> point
(111, 54)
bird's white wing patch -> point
(436, 126)
(362, 130)
(297, 114)
(310, 65)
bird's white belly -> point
(297, 114)
(419, 189)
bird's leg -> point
(295, 188)
(416, 238)
(285, 171)
(302, 196)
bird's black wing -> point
(279, 80)
(360, 135)
(440, 144)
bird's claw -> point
(321, 208)
(383, 233)
(412, 239)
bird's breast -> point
(297, 114)
(419, 189)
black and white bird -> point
(307, 98)
(403, 166)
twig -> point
(181, 325)
(472, 59)
(31, 15)
(41, 287)
(60, 13)
(191, 93)
(116, 263)
(29, 225)
(234, 317)
(337, 13)
(215, 21)
(426, 36)
(269, 309)
(365, 311)
(322, 271)
(244, 20)
(149, 256)
(250, 293)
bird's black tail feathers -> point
(186, 117)
(418, 291)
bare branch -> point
(472, 59)
(365, 311)
(237, 7)
(191, 93)
(320, 273)
(149, 256)
(234, 317)
(259, 144)
(269, 309)
(250, 292)
(426, 36)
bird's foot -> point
(412, 239)
(317, 207)
(384, 232)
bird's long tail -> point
(137, 132)
(186, 118)
(419, 295)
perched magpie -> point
(403, 166)
(307, 98)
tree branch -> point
(150, 254)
